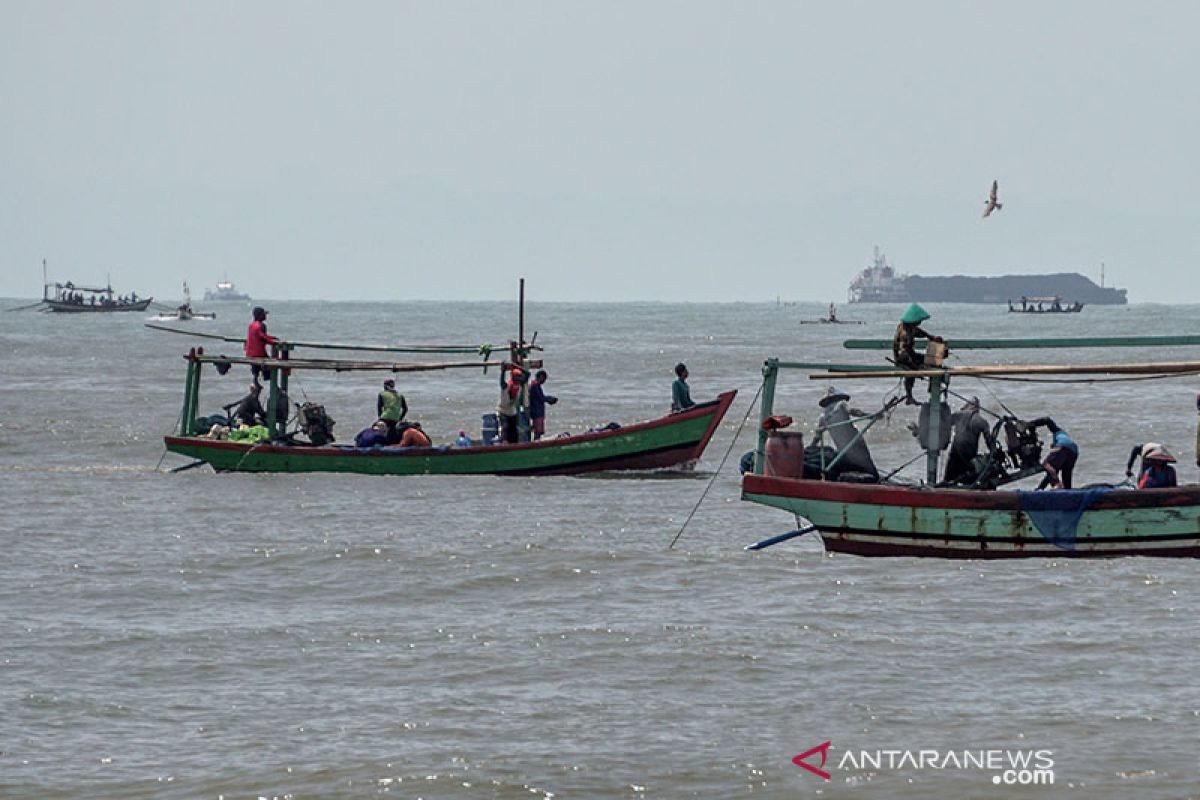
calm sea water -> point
(197, 635)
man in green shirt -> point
(391, 408)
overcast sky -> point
(617, 151)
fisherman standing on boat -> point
(392, 408)
(1060, 462)
(969, 424)
(257, 340)
(903, 350)
(538, 399)
(514, 397)
(681, 395)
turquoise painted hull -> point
(881, 520)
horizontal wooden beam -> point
(1038, 343)
(339, 365)
(1158, 368)
(481, 349)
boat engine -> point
(1024, 449)
(315, 423)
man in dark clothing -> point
(249, 410)
(968, 424)
(538, 400)
(904, 352)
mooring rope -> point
(713, 479)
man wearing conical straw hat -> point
(903, 351)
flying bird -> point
(992, 204)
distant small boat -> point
(225, 291)
(184, 312)
(832, 319)
(69, 298)
(1045, 305)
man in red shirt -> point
(257, 340)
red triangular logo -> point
(823, 750)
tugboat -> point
(225, 291)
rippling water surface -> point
(200, 635)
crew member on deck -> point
(391, 408)
(538, 400)
(969, 424)
(257, 340)
(249, 410)
(1158, 472)
(1139, 451)
(903, 351)
(514, 397)
(1060, 462)
(681, 395)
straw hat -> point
(1159, 454)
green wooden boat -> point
(884, 518)
(675, 441)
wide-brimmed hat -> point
(1159, 454)
(914, 314)
(832, 395)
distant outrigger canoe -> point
(888, 519)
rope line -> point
(713, 479)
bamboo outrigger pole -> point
(1149, 368)
(1039, 343)
(338, 365)
(483, 349)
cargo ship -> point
(881, 283)
(225, 291)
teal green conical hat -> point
(914, 314)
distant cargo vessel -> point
(880, 283)
(225, 291)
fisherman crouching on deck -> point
(968, 425)
(904, 352)
(1157, 470)
(1060, 462)
(249, 410)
